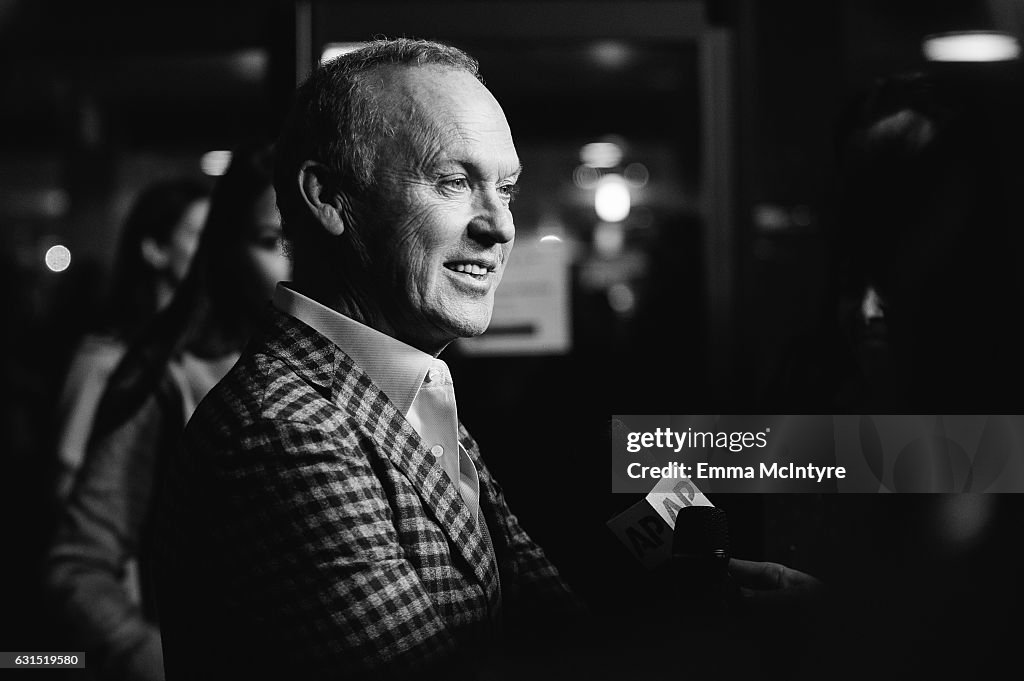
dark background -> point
(729, 258)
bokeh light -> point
(57, 258)
(636, 174)
(621, 298)
(586, 177)
(215, 163)
(609, 239)
(974, 46)
(612, 200)
(601, 154)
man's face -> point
(440, 230)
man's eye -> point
(508, 192)
(455, 183)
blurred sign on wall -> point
(531, 307)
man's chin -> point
(468, 327)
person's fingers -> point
(792, 595)
(766, 584)
(757, 574)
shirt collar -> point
(397, 368)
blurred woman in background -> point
(102, 542)
(154, 253)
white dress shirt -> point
(419, 385)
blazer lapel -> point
(353, 390)
(319, 361)
(442, 499)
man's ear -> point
(327, 202)
(153, 253)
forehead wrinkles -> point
(437, 112)
(423, 137)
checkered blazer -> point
(308, 533)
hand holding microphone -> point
(700, 561)
(719, 584)
(768, 584)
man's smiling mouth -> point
(474, 269)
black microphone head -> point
(701, 530)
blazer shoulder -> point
(264, 387)
(292, 383)
(265, 403)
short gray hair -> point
(334, 120)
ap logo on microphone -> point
(646, 527)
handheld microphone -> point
(700, 560)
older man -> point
(329, 516)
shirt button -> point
(437, 450)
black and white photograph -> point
(500, 340)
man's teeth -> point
(469, 268)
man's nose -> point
(492, 221)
